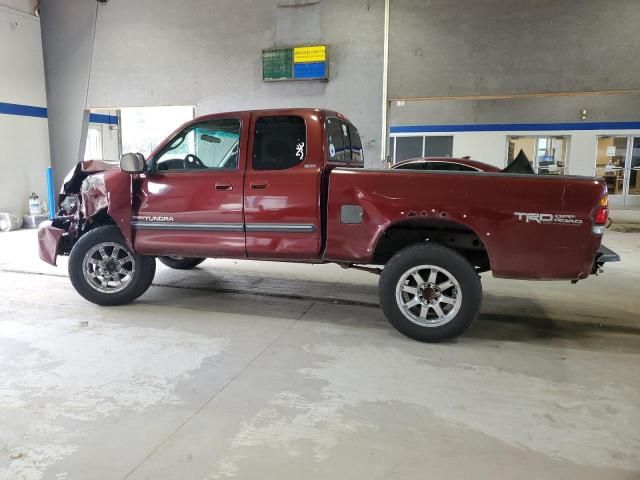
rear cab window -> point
(336, 142)
(343, 143)
(280, 142)
(357, 153)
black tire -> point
(143, 268)
(181, 263)
(457, 313)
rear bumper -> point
(49, 242)
(604, 255)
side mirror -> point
(132, 163)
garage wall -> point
(471, 63)
(208, 54)
(24, 6)
(494, 47)
(24, 136)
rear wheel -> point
(104, 271)
(181, 263)
(430, 292)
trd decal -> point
(151, 219)
(547, 218)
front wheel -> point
(104, 271)
(430, 293)
(181, 263)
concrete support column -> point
(68, 28)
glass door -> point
(634, 169)
(618, 162)
(610, 162)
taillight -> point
(601, 216)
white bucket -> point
(34, 205)
(9, 222)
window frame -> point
(153, 161)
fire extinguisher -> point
(34, 205)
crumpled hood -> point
(73, 181)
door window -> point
(451, 167)
(415, 166)
(211, 145)
(280, 142)
(440, 166)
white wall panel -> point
(24, 155)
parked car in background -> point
(445, 164)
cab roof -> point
(303, 112)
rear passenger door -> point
(282, 189)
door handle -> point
(223, 186)
(258, 185)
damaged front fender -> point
(110, 191)
(119, 187)
(92, 192)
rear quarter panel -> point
(486, 203)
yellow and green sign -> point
(295, 63)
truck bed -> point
(532, 227)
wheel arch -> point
(446, 232)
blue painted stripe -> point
(41, 112)
(22, 110)
(100, 118)
(516, 127)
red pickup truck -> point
(289, 185)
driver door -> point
(191, 202)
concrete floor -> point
(252, 370)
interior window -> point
(280, 142)
(404, 148)
(336, 148)
(357, 154)
(408, 147)
(547, 155)
(211, 145)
